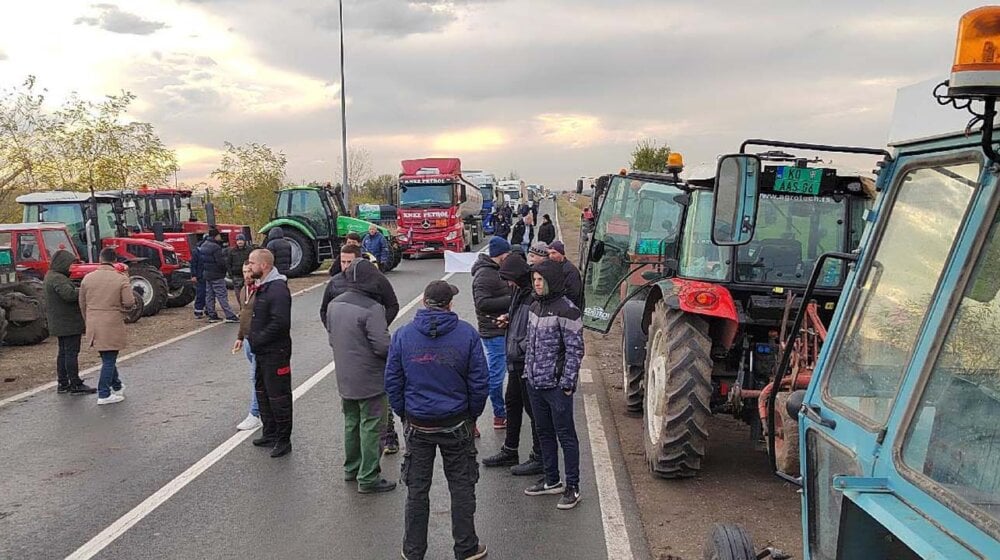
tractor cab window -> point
(792, 232)
(106, 222)
(27, 248)
(184, 211)
(305, 204)
(700, 258)
(160, 210)
(56, 240)
(69, 214)
(897, 290)
(953, 441)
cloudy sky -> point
(552, 88)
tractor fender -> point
(633, 332)
(294, 224)
(683, 294)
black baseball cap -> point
(439, 293)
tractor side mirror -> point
(794, 403)
(734, 208)
(597, 250)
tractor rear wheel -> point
(25, 313)
(631, 385)
(303, 255)
(150, 283)
(729, 542)
(181, 296)
(678, 390)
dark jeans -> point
(554, 420)
(199, 298)
(517, 400)
(273, 384)
(458, 453)
(109, 374)
(67, 361)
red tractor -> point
(96, 221)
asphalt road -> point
(72, 470)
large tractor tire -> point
(24, 304)
(181, 296)
(303, 253)
(135, 313)
(678, 390)
(631, 385)
(729, 542)
(151, 286)
(786, 441)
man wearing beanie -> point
(437, 381)
(516, 273)
(236, 257)
(492, 299)
(573, 282)
(213, 266)
(538, 252)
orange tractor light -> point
(623, 172)
(976, 72)
(704, 299)
(675, 162)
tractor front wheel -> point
(150, 283)
(303, 255)
(678, 390)
(729, 542)
(631, 385)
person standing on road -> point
(359, 337)
(246, 295)
(516, 273)
(352, 238)
(271, 341)
(571, 275)
(105, 294)
(492, 299)
(236, 257)
(524, 232)
(546, 231)
(376, 244)
(281, 249)
(382, 292)
(553, 352)
(198, 279)
(62, 306)
(437, 381)
(214, 269)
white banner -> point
(459, 262)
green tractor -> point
(315, 220)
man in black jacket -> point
(281, 248)
(573, 284)
(546, 231)
(236, 256)
(62, 299)
(213, 267)
(492, 299)
(271, 340)
(337, 285)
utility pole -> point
(343, 110)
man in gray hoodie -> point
(359, 336)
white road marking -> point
(158, 498)
(147, 506)
(586, 376)
(615, 534)
(96, 369)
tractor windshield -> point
(792, 232)
(426, 195)
(306, 205)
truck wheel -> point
(632, 385)
(678, 389)
(786, 441)
(150, 283)
(134, 314)
(303, 255)
(729, 542)
(181, 296)
(24, 304)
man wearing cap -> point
(492, 299)
(573, 284)
(213, 267)
(538, 252)
(436, 379)
(236, 257)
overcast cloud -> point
(552, 88)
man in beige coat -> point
(104, 296)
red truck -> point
(437, 208)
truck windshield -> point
(426, 196)
(487, 192)
(792, 232)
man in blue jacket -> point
(437, 381)
(375, 243)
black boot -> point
(281, 448)
(81, 388)
(504, 458)
(533, 466)
(265, 441)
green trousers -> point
(363, 421)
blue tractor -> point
(900, 424)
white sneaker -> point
(120, 392)
(111, 399)
(251, 422)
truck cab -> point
(438, 209)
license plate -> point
(797, 180)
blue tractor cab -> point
(900, 425)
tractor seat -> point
(779, 258)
